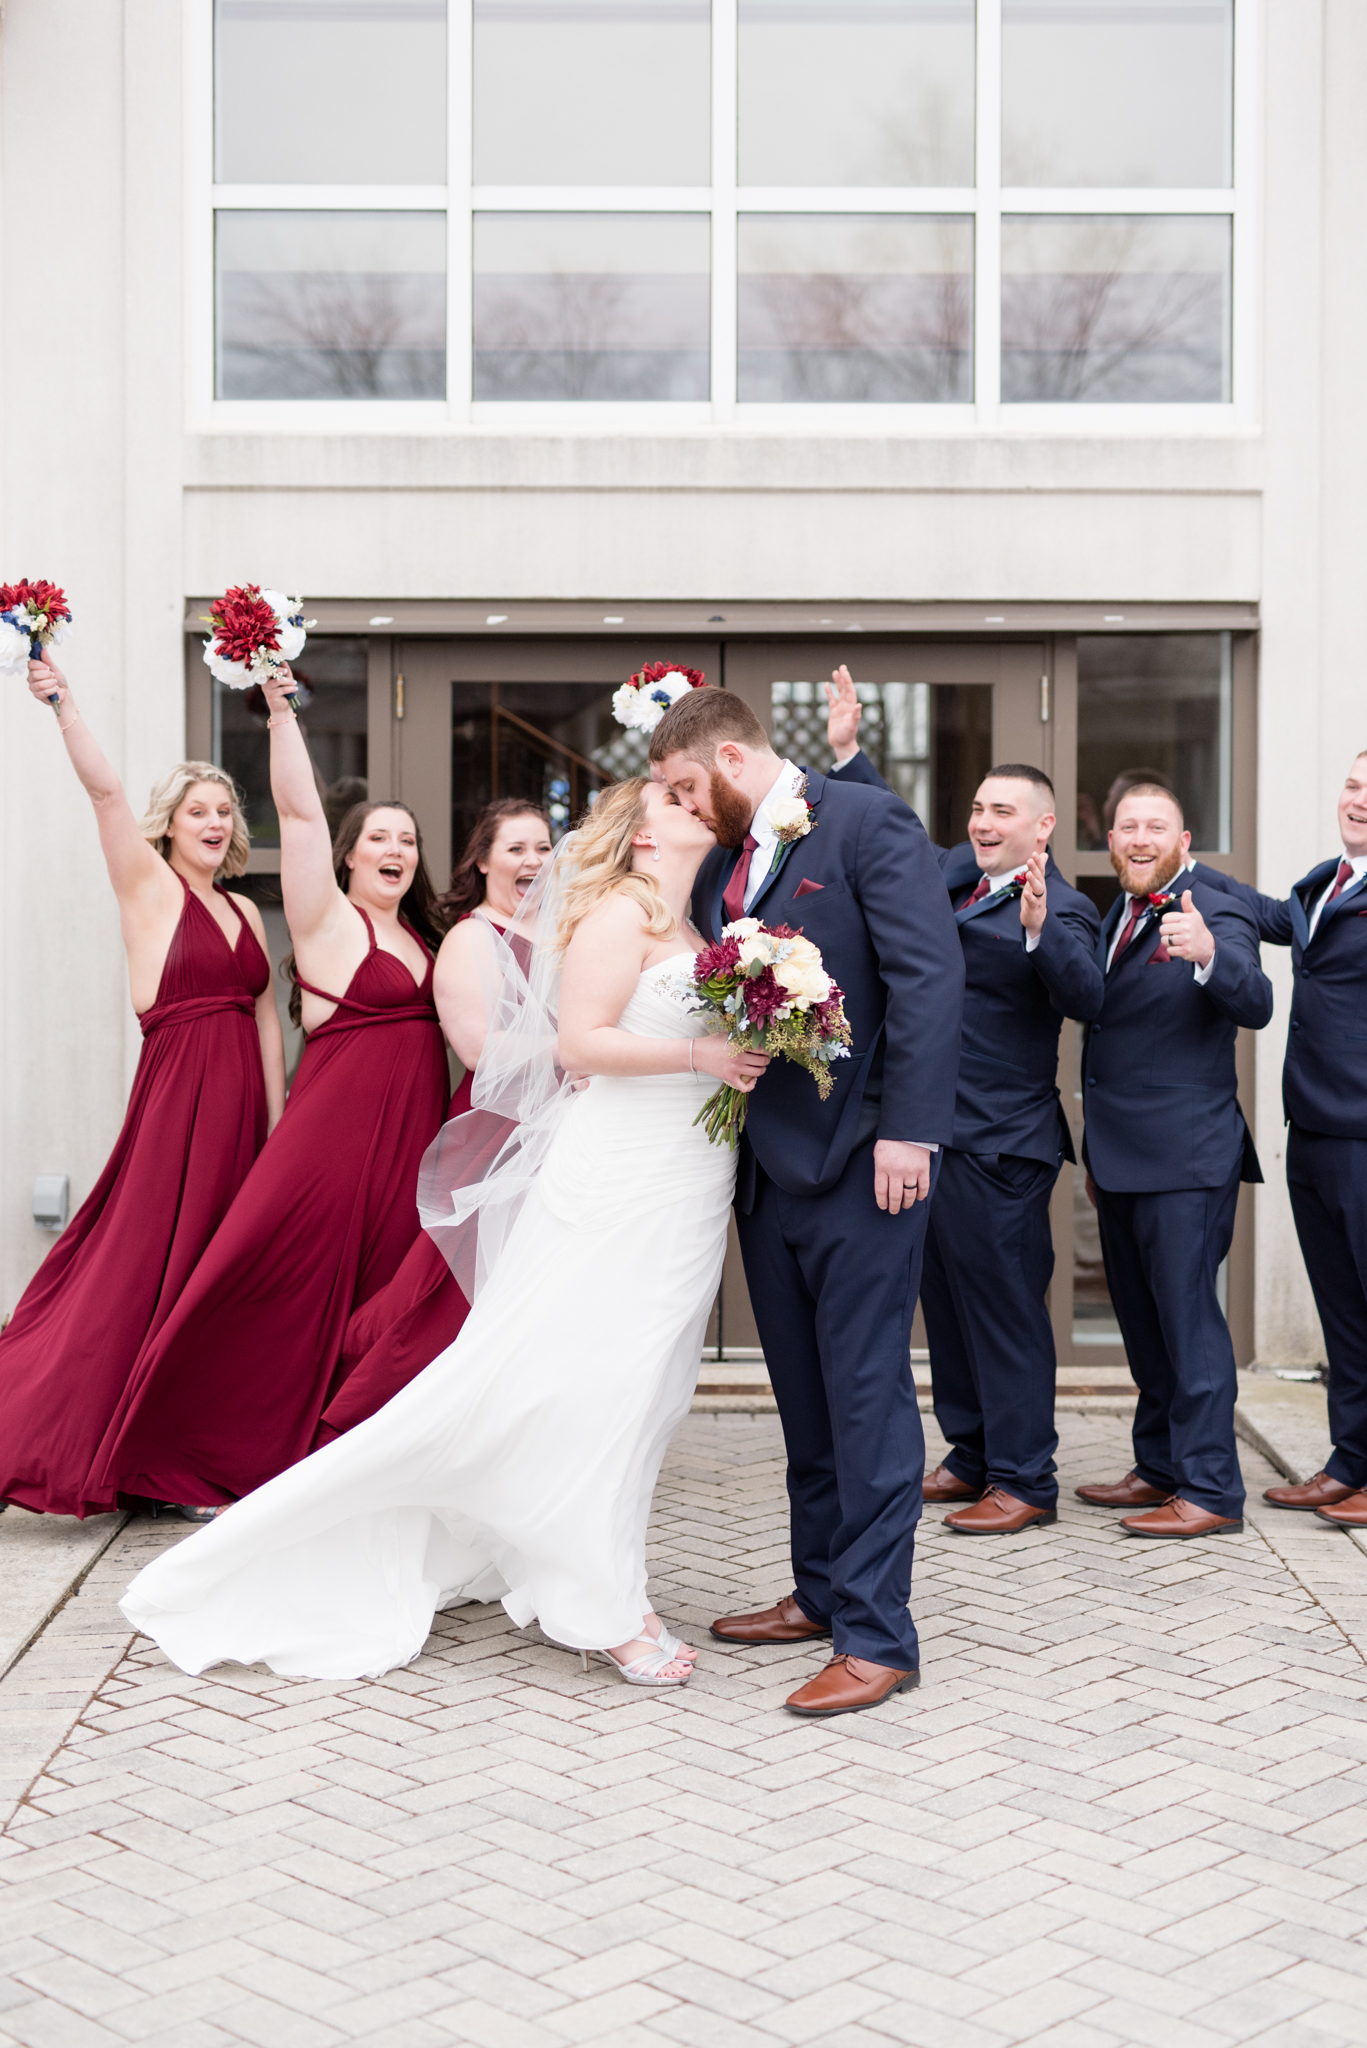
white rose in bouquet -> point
(802, 974)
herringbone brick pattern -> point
(1127, 1806)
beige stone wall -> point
(104, 486)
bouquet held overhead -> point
(33, 617)
(255, 633)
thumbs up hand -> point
(1186, 934)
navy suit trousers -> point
(989, 1261)
(1162, 1253)
(833, 1280)
(1327, 1178)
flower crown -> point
(642, 701)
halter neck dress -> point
(400, 1330)
(196, 1120)
(229, 1390)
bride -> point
(521, 1463)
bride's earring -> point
(657, 849)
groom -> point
(831, 1196)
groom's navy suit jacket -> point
(1014, 1003)
(1324, 1081)
(863, 885)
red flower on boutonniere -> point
(1159, 901)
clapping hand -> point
(1034, 897)
(842, 726)
(1186, 934)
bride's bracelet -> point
(691, 1068)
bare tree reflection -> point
(1097, 328)
(566, 322)
(342, 334)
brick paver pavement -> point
(1127, 1806)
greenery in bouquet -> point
(767, 990)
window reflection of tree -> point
(352, 334)
(567, 320)
(1066, 335)
(871, 335)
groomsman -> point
(1324, 1092)
(1166, 1147)
(1030, 960)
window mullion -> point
(724, 93)
(987, 238)
(459, 220)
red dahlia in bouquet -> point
(768, 991)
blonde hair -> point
(602, 862)
(169, 793)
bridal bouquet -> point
(255, 633)
(642, 701)
(769, 992)
(33, 616)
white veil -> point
(479, 1169)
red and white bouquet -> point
(33, 616)
(767, 989)
(255, 633)
(642, 701)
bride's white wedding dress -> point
(521, 1463)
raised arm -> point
(314, 905)
(142, 882)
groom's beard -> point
(731, 811)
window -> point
(980, 205)
(1155, 707)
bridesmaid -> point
(412, 1320)
(210, 1082)
(229, 1391)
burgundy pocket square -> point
(1160, 954)
(806, 888)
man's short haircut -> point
(1019, 771)
(699, 723)
(1152, 789)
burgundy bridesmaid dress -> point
(196, 1120)
(400, 1330)
(229, 1391)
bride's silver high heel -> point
(684, 1653)
(647, 1669)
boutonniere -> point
(1161, 900)
(791, 817)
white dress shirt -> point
(1202, 973)
(1358, 863)
(786, 783)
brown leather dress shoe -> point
(785, 1623)
(849, 1685)
(941, 1484)
(1179, 1520)
(1347, 1514)
(1319, 1492)
(998, 1513)
(1129, 1492)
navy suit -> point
(833, 1279)
(1324, 1093)
(1167, 1146)
(989, 1251)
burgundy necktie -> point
(1138, 905)
(733, 902)
(1341, 881)
(978, 894)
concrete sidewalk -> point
(1126, 1806)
